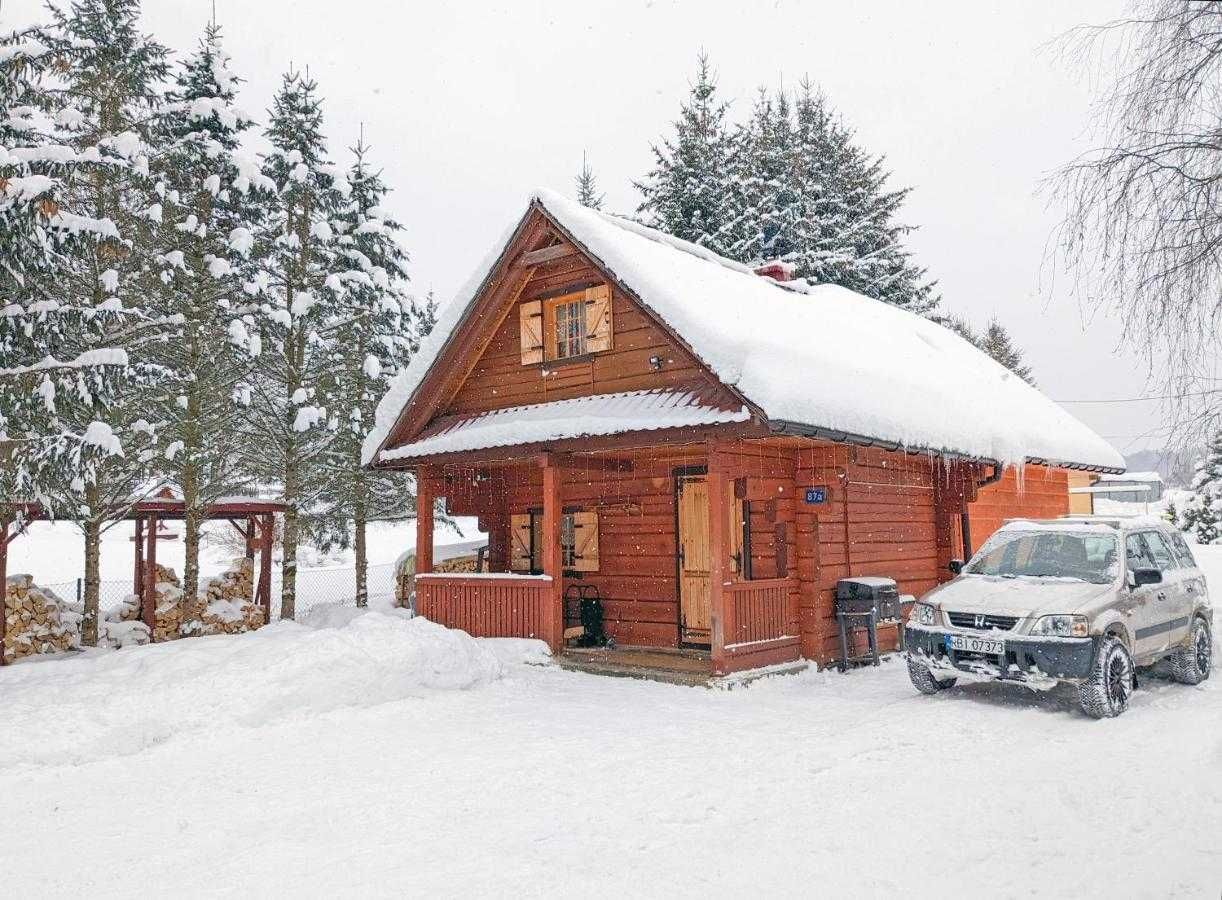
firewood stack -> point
(224, 605)
(38, 621)
(230, 600)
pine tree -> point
(587, 186)
(768, 199)
(997, 344)
(995, 341)
(82, 91)
(204, 219)
(299, 296)
(688, 193)
(1201, 513)
(378, 334)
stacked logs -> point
(38, 621)
(230, 607)
(224, 605)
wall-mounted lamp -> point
(655, 363)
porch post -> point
(149, 600)
(265, 539)
(138, 571)
(424, 519)
(718, 483)
(553, 559)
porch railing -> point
(764, 610)
(486, 605)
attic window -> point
(565, 321)
(566, 327)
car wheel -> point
(923, 680)
(1191, 663)
(1108, 687)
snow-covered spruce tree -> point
(1201, 513)
(587, 186)
(770, 200)
(688, 193)
(805, 193)
(85, 89)
(378, 331)
(997, 344)
(299, 292)
(203, 219)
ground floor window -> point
(578, 541)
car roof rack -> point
(1116, 522)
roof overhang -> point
(799, 429)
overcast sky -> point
(470, 105)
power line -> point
(1145, 399)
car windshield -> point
(1048, 554)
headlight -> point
(1061, 626)
(924, 614)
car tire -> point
(923, 680)
(1107, 689)
(1191, 663)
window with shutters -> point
(566, 327)
(578, 542)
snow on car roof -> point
(819, 356)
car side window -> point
(1138, 556)
(1182, 550)
(1163, 558)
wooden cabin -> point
(705, 446)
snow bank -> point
(819, 356)
(107, 704)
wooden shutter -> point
(598, 318)
(585, 541)
(519, 543)
(739, 566)
(530, 315)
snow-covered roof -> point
(818, 356)
(563, 419)
(1134, 477)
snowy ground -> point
(380, 756)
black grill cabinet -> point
(863, 603)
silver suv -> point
(1080, 600)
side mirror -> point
(956, 566)
(1146, 576)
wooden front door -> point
(693, 501)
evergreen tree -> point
(299, 293)
(81, 93)
(770, 205)
(1201, 513)
(688, 193)
(997, 344)
(378, 334)
(587, 186)
(204, 221)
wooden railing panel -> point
(761, 610)
(486, 607)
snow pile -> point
(101, 705)
(37, 620)
(820, 356)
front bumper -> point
(1030, 660)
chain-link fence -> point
(315, 587)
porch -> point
(687, 547)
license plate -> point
(969, 644)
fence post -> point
(78, 591)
